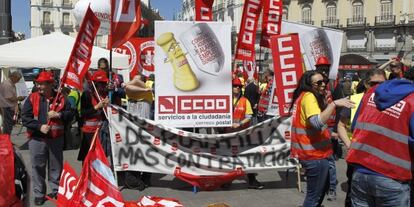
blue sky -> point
(21, 12)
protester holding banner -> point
(242, 114)
(45, 130)
(382, 143)
(140, 98)
(310, 136)
(8, 102)
(116, 84)
(92, 111)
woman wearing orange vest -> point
(242, 114)
(310, 135)
(92, 110)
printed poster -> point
(193, 74)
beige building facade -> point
(374, 29)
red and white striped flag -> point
(125, 21)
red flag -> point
(80, 58)
(126, 20)
(287, 64)
(67, 185)
(271, 20)
(141, 55)
(97, 185)
(204, 10)
(247, 35)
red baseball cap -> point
(45, 77)
(237, 82)
(100, 76)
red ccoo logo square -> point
(166, 104)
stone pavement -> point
(280, 188)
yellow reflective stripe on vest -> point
(314, 146)
(381, 155)
(396, 136)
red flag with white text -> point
(248, 26)
(67, 185)
(287, 64)
(204, 10)
(271, 20)
(126, 20)
(141, 55)
(80, 57)
(97, 186)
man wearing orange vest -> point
(381, 146)
(45, 124)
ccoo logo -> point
(166, 104)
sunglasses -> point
(319, 82)
(373, 83)
(393, 66)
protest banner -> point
(80, 57)
(126, 20)
(204, 10)
(317, 41)
(271, 20)
(144, 145)
(287, 64)
(141, 55)
(247, 35)
(193, 74)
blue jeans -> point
(332, 174)
(376, 191)
(317, 181)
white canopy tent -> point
(52, 50)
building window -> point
(306, 14)
(285, 13)
(46, 17)
(386, 8)
(66, 19)
(66, 2)
(357, 11)
(331, 12)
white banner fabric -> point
(143, 145)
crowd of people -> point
(371, 118)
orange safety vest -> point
(380, 139)
(308, 143)
(56, 124)
(239, 111)
(93, 122)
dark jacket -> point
(33, 124)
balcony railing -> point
(330, 23)
(356, 49)
(356, 22)
(411, 18)
(47, 3)
(385, 20)
(385, 48)
(47, 24)
(307, 22)
(67, 5)
(67, 25)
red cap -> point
(45, 77)
(322, 60)
(236, 82)
(100, 76)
